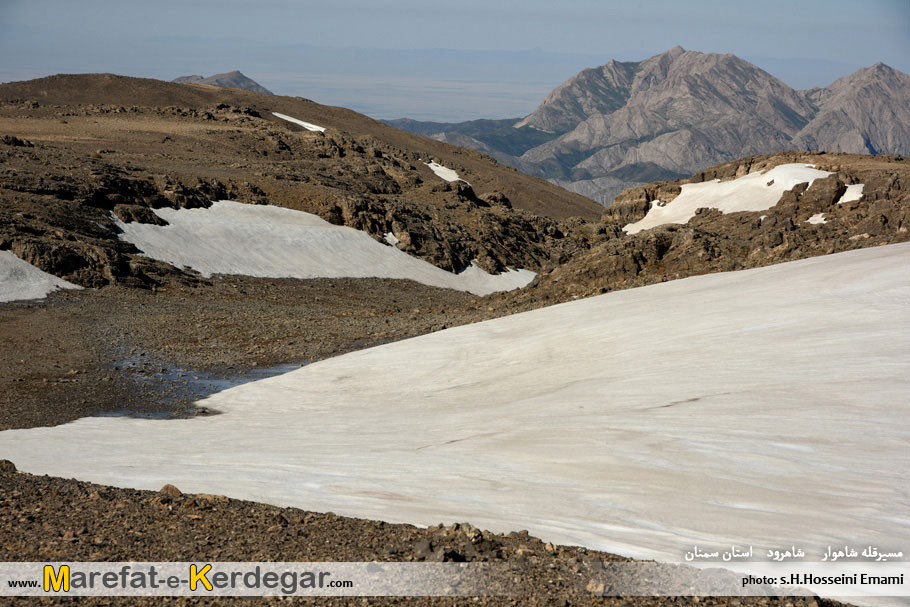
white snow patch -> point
(817, 219)
(854, 192)
(306, 125)
(21, 280)
(267, 241)
(761, 218)
(747, 193)
(391, 238)
(443, 172)
(637, 422)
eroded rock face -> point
(465, 229)
(128, 213)
(634, 203)
(15, 141)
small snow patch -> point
(390, 238)
(762, 217)
(817, 218)
(308, 126)
(444, 172)
(854, 192)
(21, 280)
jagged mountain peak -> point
(609, 87)
(866, 112)
(879, 72)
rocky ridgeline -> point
(714, 242)
(59, 197)
(234, 79)
(465, 228)
(632, 204)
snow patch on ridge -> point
(308, 126)
(444, 172)
(750, 192)
(21, 280)
(818, 218)
(267, 241)
(854, 192)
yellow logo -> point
(197, 576)
(57, 579)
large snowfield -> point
(766, 407)
(21, 280)
(274, 242)
(753, 192)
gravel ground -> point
(122, 351)
(51, 519)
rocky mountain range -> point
(235, 79)
(627, 123)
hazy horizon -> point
(409, 59)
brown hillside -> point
(531, 194)
(78, 148)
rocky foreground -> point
(51, 519)
(135, 352)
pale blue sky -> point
(419, 59)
